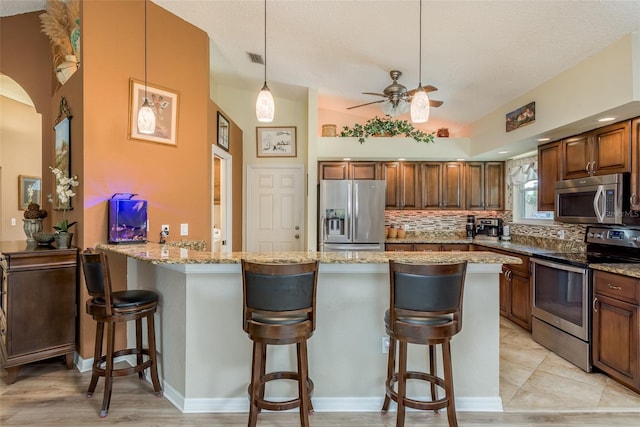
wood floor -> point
(47, 394)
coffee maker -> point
(488, 229)
(471, 226)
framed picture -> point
(276, 141)
(522, 116)
(63, 146)
(29, 188)
(223, 132)
(163, 102)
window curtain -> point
(522, 170)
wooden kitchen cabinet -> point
(605, 150)
(616, 327)
(397, 247)
(402, 185)
(426, 247)
(484, 186)
(38, 307)
(442, 185)
(635, 164)
(349, 170)
(549, 171)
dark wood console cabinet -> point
(38, 304)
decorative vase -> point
(75, 39)
(63, 240)
(67, 68)
(32, 226)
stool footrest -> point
(119, 372)
(284, 405)
(418, 404)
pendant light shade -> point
(146, 116)
(265, 107)
(420, 100)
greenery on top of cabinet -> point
(386, 126)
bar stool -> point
(279, 308)
(425, 308)
(109, 308)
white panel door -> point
(275, 208)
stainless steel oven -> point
(561, 309)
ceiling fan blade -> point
(435, 103)
(373, 93)
(427, 88)
(368, 103)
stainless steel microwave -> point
(592, 200)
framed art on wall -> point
(223, 132)
(276, 141)
(29, 189)
(163, 102)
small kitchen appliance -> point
(471, 226)
(127, 219)
(488, 229)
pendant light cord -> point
(145, 50)
(265, 41)
(420, 52)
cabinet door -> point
(364, 170)
(409, 188)
(452, 185)
(431, 182)
(615, 339)
(549, 171)
(391, 174)
(427, 247)
(505, 294)
(611, 149)
(474, 185)
(333, 170)
(494, 186)
(635, 164)
(394, 247)
(520, 303)
(576, 153)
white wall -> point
(20, 154)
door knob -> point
(297, 236)
(297, 228)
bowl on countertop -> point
(44, 238)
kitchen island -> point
(205, 356)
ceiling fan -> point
(397, 93)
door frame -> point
(226, 197)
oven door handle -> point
(596, 204)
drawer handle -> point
(595, 302)
(617, 288)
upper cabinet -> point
(602, 151)
(549, 171)
(402, 185)
(442, 185)
(349, 170)
(635, 164)
(484, 185)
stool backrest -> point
(96, 276)
(433, 289)
(280, 288)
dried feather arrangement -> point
(57, 23)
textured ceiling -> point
(479, 54)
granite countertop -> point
(156, 253)
(631, 270)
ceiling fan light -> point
(146, 119)
(265, 107)
(420, 106)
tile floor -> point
(533, 378)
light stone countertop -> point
(631, 270)
(156, 253)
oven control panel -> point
(625, 237)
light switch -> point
(184, 229)
(13, 222)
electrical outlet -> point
(385, 344)
(165, 228)
(184, 229)
(13, 221)
(561, 234)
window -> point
(525, 203)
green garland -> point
(386, 127)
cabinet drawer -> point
(616, 286)
(454, 247)
(427, 247)
(399, 247)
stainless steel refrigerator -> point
(351, 215)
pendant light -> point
(146, 116)
(265, 107)
(420, 100)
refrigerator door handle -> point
(349, 214)
(356, 211)
(323, 233)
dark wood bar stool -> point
(109, 308)
(425, 308)
(279, 308)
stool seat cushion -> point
(129, 299)
(421, 320)
(278, 319)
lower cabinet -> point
(616, 327)
(426, 247)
